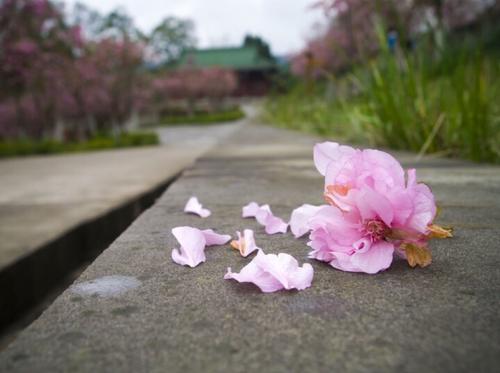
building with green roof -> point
(254, 70)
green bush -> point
(10, 148)
(203, 117)
(442, 102)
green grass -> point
(447, 104)
(203, 117)
(31, 147)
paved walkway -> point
(443, 318)
(42, 197)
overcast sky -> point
(284, 24)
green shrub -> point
(10, 148)
(203, 117)
(443, 102)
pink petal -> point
(274, 272)
(246, 242)
(275, 225)
(262, 214)
(327, 152)
(376, 258)
(343, 262)
(193, 206)
(424, 208)
(423, 203)
(373, 205)
(192, 250)
(253, 274)
(250, 210)
(299, 221)
(213, 238)
(286, 270)
(271, 223)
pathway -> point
(443, 318)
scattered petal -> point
(299, 221)
(271, 223)
(245, 243)
(274, 272)
(213, 238)
(193, 206)
(250, 210)
(192, 250)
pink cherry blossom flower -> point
(245, 243)
(265, 217)
(299, 221)
(193, 206)
(373, 211)
(274, 272)
(192, 244)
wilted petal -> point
(213, 238)
(299, 221)
(274, 272)
(192, 249)
(193, 206)
(417, 254)
(245, 243)
(250, 210)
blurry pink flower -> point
(193, 206)
(299, 221)
(265, 217)
(274, 272)
(245, 243)
(193, 242)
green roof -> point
(239, 58)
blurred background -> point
(420, 75)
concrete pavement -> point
(58, 212)
(442, 318)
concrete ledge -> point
(29, 280)
(443, 318)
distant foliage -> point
(51, 74)
(350, 35)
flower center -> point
(376, 229)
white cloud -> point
(285, 24)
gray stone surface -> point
(443, 318)
(43, 197)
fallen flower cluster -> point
(373, 212)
